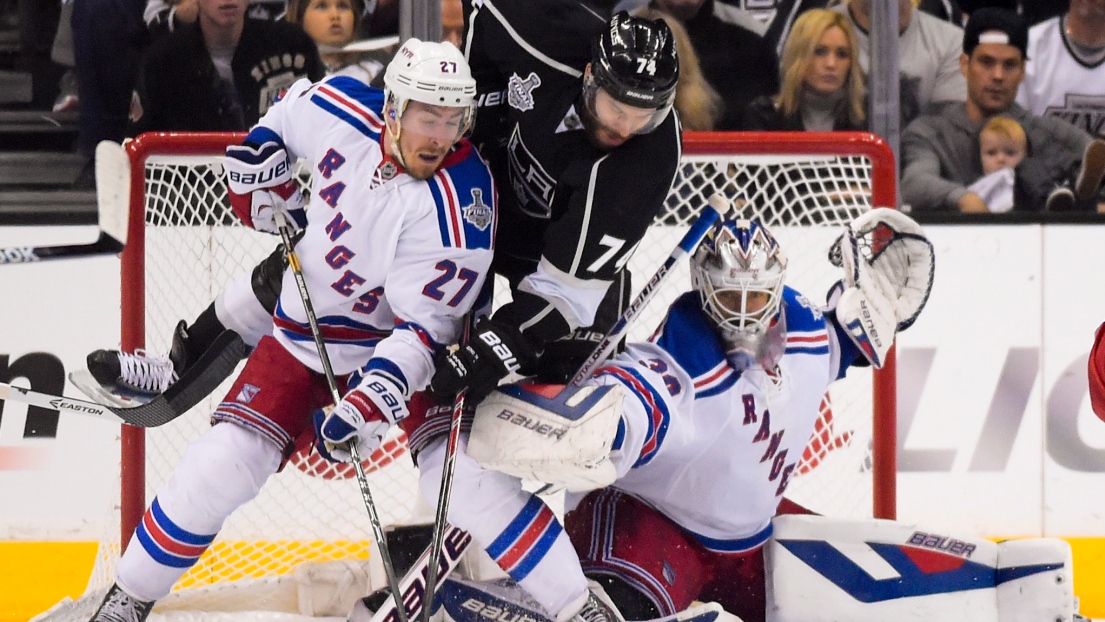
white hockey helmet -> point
(432, 73)
(739, 271)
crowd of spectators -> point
(794, 65)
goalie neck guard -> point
(738, 271)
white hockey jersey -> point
(392, 263)
(711, 448)
(1056, 84)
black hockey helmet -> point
(634, 60)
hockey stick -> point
(717, 208)
(113, 210)
(445, 492)
(335, 394)
(201, 379)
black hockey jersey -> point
(575, 209)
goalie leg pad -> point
(821, 569)
(553, 434)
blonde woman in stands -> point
(821, 80)
(698, 103)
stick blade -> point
(113, 189)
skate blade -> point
(83, 380)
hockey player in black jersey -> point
(577, 124)
(576, 121)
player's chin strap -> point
(888, 268)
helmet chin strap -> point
(391, 140)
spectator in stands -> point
(735, 58)
(1033, 11)
(822, 85)
(696, 101)
(776, 16)
(940, 151)
(452, 22)
(334, 24)
(1065, 75)
(947, 10)
(220, 73)
(1002, 146)
(108, 39)
(163, 16)
(928, 52)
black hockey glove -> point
(493, 351)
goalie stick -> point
(112, 208)
(718, 207)
(201, 379)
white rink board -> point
(989, 301)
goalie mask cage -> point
(185, 244)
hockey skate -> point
(118, 606)
(126, 379)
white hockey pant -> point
(516, 528)
(218, 473)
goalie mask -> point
(739, 271)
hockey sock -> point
(219, 472)
(517, 529)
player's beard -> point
(597, 134)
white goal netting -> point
(804, 187)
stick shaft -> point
(328, 371)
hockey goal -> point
(185, 244)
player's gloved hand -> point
(363, 416)
(493, 352)
(260, 213)
(259, 178)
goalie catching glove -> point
(494, 351)
(888, 269)
(363, 416)
(260, 182)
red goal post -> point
(773, 174)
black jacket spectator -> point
(180, 89)
(739, 63)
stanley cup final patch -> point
(478, 213)
(519, 92)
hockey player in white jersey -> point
(396, 245)
(697, 432)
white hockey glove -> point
(363, 416)
(260, 182)
(888, 270)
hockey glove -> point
(888, 272)
(260, 182)
(494, 351)
(363, 416)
